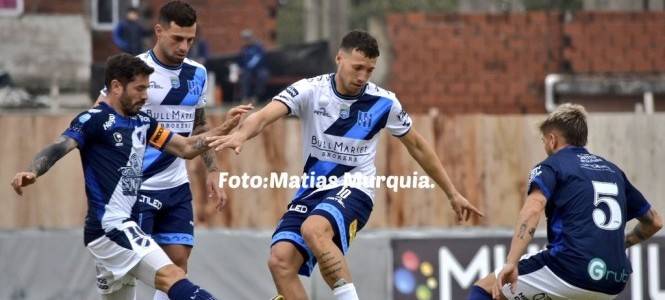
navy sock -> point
(186, 290)
(478, 293)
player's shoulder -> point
(375, 90)
(307, 85)
(194, 63)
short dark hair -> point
(124, 68)
(183, 14)
(570, 121)
(361, 41)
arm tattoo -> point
(200, 144)
(210, 160)
(199, 122)
(522, 231)
(46, 158)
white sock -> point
(159, 295)
(346, 292)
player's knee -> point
(316, 230)
(282, 260)
(167, 275)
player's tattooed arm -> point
(200, 123)
(209, 156)
(46, 158)
(648, 225)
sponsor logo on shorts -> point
(298, 208)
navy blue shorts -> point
(166, 215)
(347, 210)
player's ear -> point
(116, 87)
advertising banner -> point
(445, 268)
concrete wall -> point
(39, 50)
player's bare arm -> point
(200, 126)
(524, 231)
(251, 127)
(424, 154)
(648, 225)
(42, 162)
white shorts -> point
(123, 254)
(543, 284)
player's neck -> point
(115, 105)
(163, 59)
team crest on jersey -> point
(344, 111)
(117, 136)
(175, 82)
(365, 119)
(130, 176)
(194, 87)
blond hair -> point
(570, 121)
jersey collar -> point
(159, 63)
(345, 97)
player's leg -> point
(482, 289)
(289, 255)
(157, 270)
(127, 251)
(173, 228)
(329, 231)
(284, 262)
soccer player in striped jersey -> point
(112, 138)
(587, 201)
(176, 98)
(342, 114)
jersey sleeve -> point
(82, 128)
(636, 204)
(203, 98)
(159, 136)
(399, 122)
(294, 97)
(544, 177)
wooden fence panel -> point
(487, 157)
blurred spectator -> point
(129, 33)
(199, 51)
(252, 65)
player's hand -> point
(213, 190)
(508, 275)
(239, 110)
(233, 141)
(463, 208)
(22, 179)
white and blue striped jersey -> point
(589, 201)
(173, 96)
(340, 133)
(112, 148)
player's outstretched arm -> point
(42, 162)
(424, 154)
(533, 207)
(647, 226)
(250, 128)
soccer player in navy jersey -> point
(177, 99)
(112, 138)
(587, 201)
(342, 114)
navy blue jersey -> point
(112, 148)
(589, 201)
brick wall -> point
(220, 20)
(496, 64)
